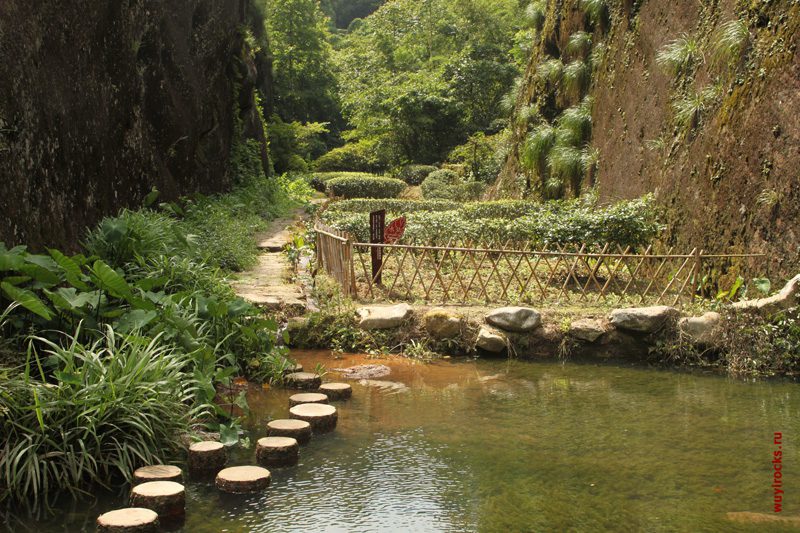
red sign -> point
(394, 231)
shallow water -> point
(514, 446)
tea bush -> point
(365, 187)
(415, 174)
(633, 222)
(448, 185)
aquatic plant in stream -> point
(80, 414)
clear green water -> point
(514, 446)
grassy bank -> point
(109, 356)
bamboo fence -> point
(502, 273)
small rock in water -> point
(392, 387)
(364, 371)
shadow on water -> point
(477, 445)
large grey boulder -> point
(382, 317)
(700, 329)
(588, 329)
(789, 296)
(491, 340)
(519, 319)
(442, 324)
(642, 319)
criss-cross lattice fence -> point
(472, 274)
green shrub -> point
(447, 185)
(121, 239)
(360, 156)
(415, 174)
(365, 187)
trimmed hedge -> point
(365, 187)
(320, 180)
(415, 174)
(367, 205)
(633, 222)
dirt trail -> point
(269, 283)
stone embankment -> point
(527, 332)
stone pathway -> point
(269, 283)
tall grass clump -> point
(89, 414)
(579, 44)
(535, 14)
(551, 71)
(537, 147)
(730, 41)
(689, 111)
(565, 164)
(598, 13)
(680, 56)
(576, 79)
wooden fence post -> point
(698, 268)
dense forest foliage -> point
(412, 82)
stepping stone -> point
(293, 369)
(642, 319)
(129, 520)
(300, 430)
(336, 391)
(207, 455)
(321, 417)
(277, 451)
(307, 397)
(157, 473)
(243, 479)
(166, 498)
(303, 380)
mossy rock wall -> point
(746, 147)
(101, 101)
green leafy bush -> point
(415, 174)
(361, 156)
(365, 187)
(446, 184)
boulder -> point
(491, 340)
(518, 319)
(700, 329)
(642, 319)
(588, 329)
(442, 324)
(789, 296)
(382, 317)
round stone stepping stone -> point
(300, 430)
(321, 417)
(277, 451)
(166, 498)
(336, 391)
(207, 455)
(157, 473)
(303, 380)
(307, 397)
(293, 369)
(129, 520)
(243, 479)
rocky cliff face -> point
(730, 180)
(101, 101)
